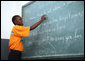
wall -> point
(8, 9)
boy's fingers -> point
(43, 16)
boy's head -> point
(17, 20)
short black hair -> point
(14, 18)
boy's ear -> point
(15, 22)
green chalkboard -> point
(61, 35)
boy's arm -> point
(38, 23)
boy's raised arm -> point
(38, 23)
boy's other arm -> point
(38, 23)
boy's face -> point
(19, 21)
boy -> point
(19, 31)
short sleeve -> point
(21, 31)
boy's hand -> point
(43, 18)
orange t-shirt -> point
(16, 35)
